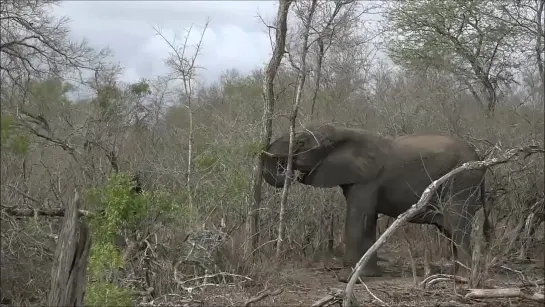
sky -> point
(235, 38)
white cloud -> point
(235, 37)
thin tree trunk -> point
(319, 62)
(252, 220)
(539, 48)
(289, 168)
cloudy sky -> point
(235, 38)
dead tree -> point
(68, 275)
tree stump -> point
(68, 275)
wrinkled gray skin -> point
(384, 175)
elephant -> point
(384, 175)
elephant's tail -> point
(487, 227)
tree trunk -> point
(295, 110)
(539, 47)
(252, 220)
(68, 275)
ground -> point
(305, 284)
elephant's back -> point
(423, 145)
(417, 160)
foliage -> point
(13, 139)
(119, 209)
(468, 39)
(107, 294)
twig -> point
(263, 294)
(26, 195)
(424, 199)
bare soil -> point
(305, 284)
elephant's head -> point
(326, 156)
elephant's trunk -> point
(274, 166)
(273, 172)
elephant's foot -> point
(369, 271)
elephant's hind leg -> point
(460, 217)
(360, 229)
(437, 219)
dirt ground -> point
(302, 285)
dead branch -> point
(56, 212)
(451, 304)
(509, 155)
(68, 280)
(263, 294)
(334, 295)
(506, 293)
(433, 279)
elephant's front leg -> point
(360, 229)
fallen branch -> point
(506, 293)
(509, 155)
(263, 294)
(433, 279)
(29, 212)
(333, 296)
(208, 276)
(205, 279)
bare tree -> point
(332, 19)
(252, 220)
(184, 68)
(301, 78)
(34, 44)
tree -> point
(526, 16)
(34, 44)
(301, 78)
(332, 21)
(470, 39)
(184, 68)
(252, 237)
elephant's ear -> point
(345, 164)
